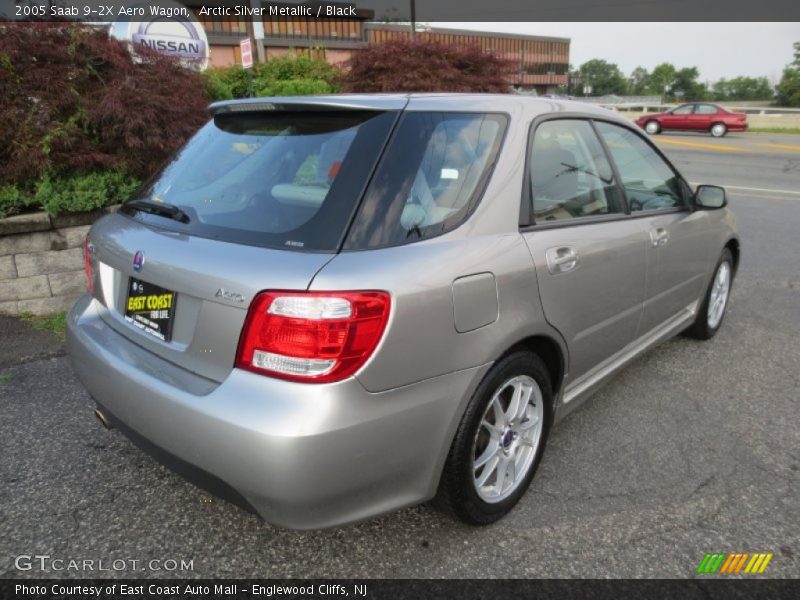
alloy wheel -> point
(507, 439)
(718, 299)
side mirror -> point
(710, 197)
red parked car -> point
(697, 116)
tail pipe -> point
(104, 420)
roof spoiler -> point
(320, 103)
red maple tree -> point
(74, 100)
(426, 66)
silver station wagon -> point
(327, 308)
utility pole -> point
(255, 31)
(413, 19)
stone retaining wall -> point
(41, 261)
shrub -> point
(85, 192)
(425, 66)
(233, 78)
(296, 66)
(290, 75)
(11, 200)
(71, 193)
(296, 87)
(216, 87)
(74, 101)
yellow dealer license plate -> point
(150, 308)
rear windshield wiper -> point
(161, 209)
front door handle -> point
(659, 237)
(561, 260)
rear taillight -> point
(312, 336)
(87, 264)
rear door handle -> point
(561, 260)
(659, 237)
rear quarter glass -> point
(290, 179)
(432, 174)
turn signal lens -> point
(315, 337)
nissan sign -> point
(180, 35)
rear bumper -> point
(301, 456)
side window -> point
(705, 109)
(683, 110)
(569, 173)
(649, 182)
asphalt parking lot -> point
(694, 448)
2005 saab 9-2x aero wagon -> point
(326, 308)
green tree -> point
(685, 85)
(789, 87)
(662, 79)
(742, 88)
(603, 77)
(639, 82)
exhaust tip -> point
(104, 420)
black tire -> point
(718, 130)
(652, 127)
(457, 494)
(700, 329)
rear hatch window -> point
(282, 179)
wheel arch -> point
(734, 246)
(551, 353)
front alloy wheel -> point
(715, 302)
(718, 300)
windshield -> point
(284, 179)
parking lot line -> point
(701, 145)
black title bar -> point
(400, 589)
(433, 11)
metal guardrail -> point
(763, 110)
(653, 104)
(617, 100)
(775, 111)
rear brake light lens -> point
(87, 264)
(315, 337)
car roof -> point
(694, 102)
(532, 105)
